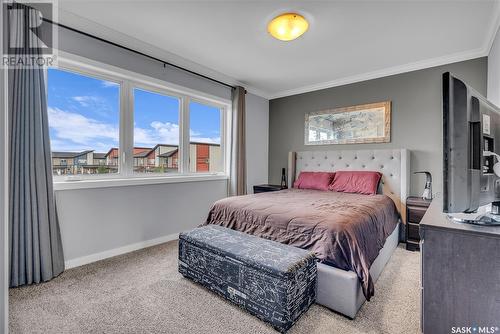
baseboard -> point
(80, 261)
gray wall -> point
(257, 140)
(98, 220)
(494, 71)
(416, 116)
(78, 44)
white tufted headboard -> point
(394, 164)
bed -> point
(353, 235)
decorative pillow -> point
(314, 180)
(359, 182)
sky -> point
(84, 115)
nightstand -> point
(264, 188)
(415, 210)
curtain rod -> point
(165, 63)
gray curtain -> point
(36, 253)
(238, 175)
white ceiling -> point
(347, 41)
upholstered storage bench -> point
(272, 281)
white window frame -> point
(93, 73)
(224, 131)
(164, 92)
(128, 81)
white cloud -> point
(196, 137)
(75, 130)
(208, 140)
(87, 101)
(108, 84)
(166, 133)
(65, 146)
(158, 133)
(95, 104)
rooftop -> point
(168, 154)
(70, 155)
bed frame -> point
(340, 290)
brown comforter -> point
(346, 231)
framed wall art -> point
(361, 124)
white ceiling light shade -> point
(288, 26)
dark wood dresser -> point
(263, 188)
(460, 275)
(415, 210)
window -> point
(84, 116)
(107, 124)
(156, 132)
(205, 152)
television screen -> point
(471, 129)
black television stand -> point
(460, 273)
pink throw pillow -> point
(359, 182)
(314, 180)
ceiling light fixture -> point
(288, 26)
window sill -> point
(134, 181)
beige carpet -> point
(142, 292)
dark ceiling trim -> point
(165, 63)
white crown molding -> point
(494, 27)
(385, 72)
(448, 59)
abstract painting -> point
(361, 124)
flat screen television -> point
(471, 129)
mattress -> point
(344, 230)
